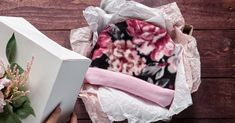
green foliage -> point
(19, 102)
(11, 49)
(25, 109)
(8, 115)
(20, 107)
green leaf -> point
(20, 101)
(12, 65)
(25, 110)
(11, 49)
(8, 116)
(8, 108)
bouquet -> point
(14, 103)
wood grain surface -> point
(214, 23)
(67, 14)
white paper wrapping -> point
(119, 105)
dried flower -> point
(17, 85)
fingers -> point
(74, 118)
(54, 117)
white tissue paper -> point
(119, 105)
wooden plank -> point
(48, 14)
(200, 121)
(214, 99)
(84, 121)
(81, 110)
(217, 51)
(216, 47)
(203, 14)
(61, 37)
(181, 121)
(192, 120)
(61, 14)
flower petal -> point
(104, 40)
(98, 53)
(173, 63)
(2, 102)
(146, 48)
(156, 55)
(2, 70)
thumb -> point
(54, 117)
(74, 118)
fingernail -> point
(73, 115)
(58, 109)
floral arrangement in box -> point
(14, 103)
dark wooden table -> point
(214, 22)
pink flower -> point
(4, 82)
(166, 49)
(174, 60)
(151, 39)
(2, 102)
(104, 42)
(2, 69)
(98, 53)
(124, 58)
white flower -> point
(4, 83)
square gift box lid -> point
(57, 73)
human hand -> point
(55, 115)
